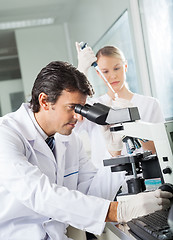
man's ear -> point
(43, 101)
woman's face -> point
(114, 70)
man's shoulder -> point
(18, 122)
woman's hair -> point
(56, 77)
(111, 51)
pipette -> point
(94, 64)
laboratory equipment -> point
(170, 218)
(103, 115)
(139, 166)
(160, 133)
(162, 136)
(157, 225)
(151, 227)
(94, 64)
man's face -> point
(61, 116)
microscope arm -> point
(161, 134)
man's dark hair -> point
(56, 77)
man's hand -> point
(142, 204)
(139, 205)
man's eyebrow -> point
(71, 104)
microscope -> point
(127, 120)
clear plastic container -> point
(152, 184)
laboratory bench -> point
(120, 231)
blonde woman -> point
(114, 66)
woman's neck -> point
(122, 93)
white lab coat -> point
(39, 194)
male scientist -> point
(46, 179)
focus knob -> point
(167, 170)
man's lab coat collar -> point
(30, 132)
(25, 125)
(63, 138)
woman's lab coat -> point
(42, 194)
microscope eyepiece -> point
(96, 113)
(82, 109)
